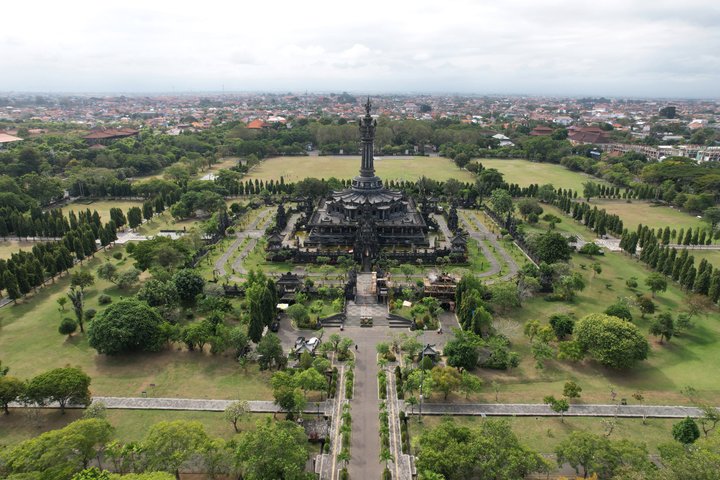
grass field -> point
(524, 173)
(165, 221)
(543, 434)
(130, 425)
(293, 169)
(30, 344)
(712, 256)
(644, 212)
(685, 360)
(102, 206)
(567, 226)
(8, 247)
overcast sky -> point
(609, 47)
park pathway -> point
(365, 439)
(479, 232)
(190, 404)
(365, 402)
(543, 410)
(402, 465)
(254, 232)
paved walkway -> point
(402, 465)
(193, 404)
(365, 403)
(542, 410)
(254, 232)
(479, 232)
(365, 439)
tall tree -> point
(11, 389)
(273, 450)
(77, 298)
(65, 386)
(170, 445)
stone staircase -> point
(396, 321)
(333, 321)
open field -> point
(30, 344)
(102, 206)
(226, 162)
(8, 247)
(644, 212)
(543, 434)
(712, 256)
(685, 360)
(524, 173)
(165, 221)
(567, 226)
(293, 169)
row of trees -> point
(272, 450)
(667, 262)
(27, 270)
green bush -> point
(104, 299)
(117, 255)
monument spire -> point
(367, 133)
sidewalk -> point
(542, 410)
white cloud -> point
(642, 47)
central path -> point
(365, 437)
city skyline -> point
(648, 50)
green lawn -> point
(8, 247)
(686, 360)
(543, 434)
(648, 214)
(30, 344)
(165, 221)
(524, 173)
(712, 256)
(567, 226)
(388, 168)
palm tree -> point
(344, 456)
(76, 297)
(386, 456)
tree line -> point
(25, 271)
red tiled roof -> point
(257, 124)
(539, 131)
(110, 133)
(588, 135)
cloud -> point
(643, 47)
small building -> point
(274, 242)
(257, 124)
(430, 351)
(287, 286)
(541, 131)
(584, 135)
(458, 244)
(443, 288)
(108, 135)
